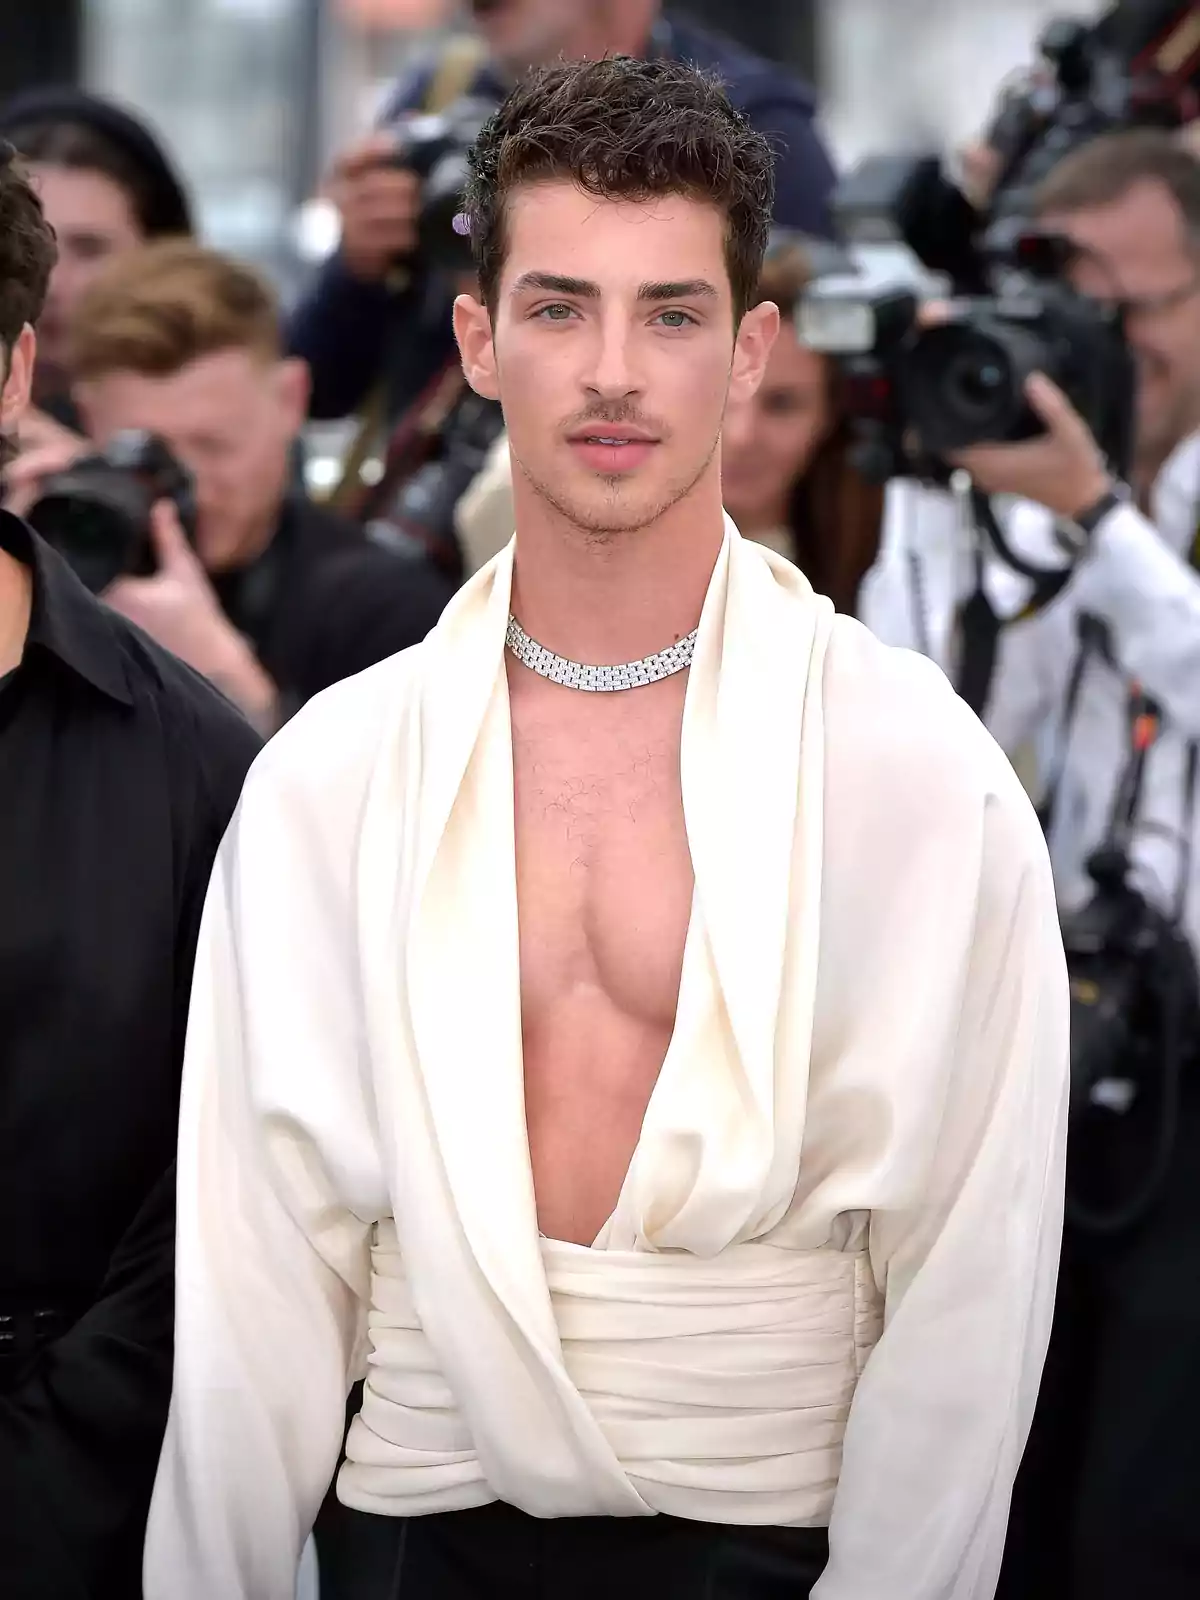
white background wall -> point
(909, 73)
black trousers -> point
(498, 1553)
(1107, 1502)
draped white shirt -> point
(859, 1126)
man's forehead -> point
(213, 384)
(1146, 217)
(619, 241)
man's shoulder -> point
(899, 737)
(208, 744)
(187, 704)
(360, 598)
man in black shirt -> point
(119, 770)
(279, 598)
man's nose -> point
(611, 373)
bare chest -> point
(604, 889)
(604, 877)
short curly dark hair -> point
(630, 130)
(27, 250)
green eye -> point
(548, 312)
(683, 322)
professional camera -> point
(419, 517)
(914, 392)
(1135, 66)
(435, 146)
(1135, 1007)
(97, 512)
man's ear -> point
(755, 339)
(473, 330)
(18, 381)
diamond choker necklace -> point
(599, 680)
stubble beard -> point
(614, 517)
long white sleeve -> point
(941, 1414)
(271, 1270)
(1150, 600)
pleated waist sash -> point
(721, 1386)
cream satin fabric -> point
(863, 1098)
(720, 1387)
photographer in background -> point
(374, 307)
(278, 599)
(106, 186)
(787, 479)
(1107, 678)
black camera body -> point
(1135, 1019)
(419, 518)
(1136, 66)
(435, 146)
(915, 392)
(96, 513)
(963, 381)
(1118, 947)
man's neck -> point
(606, 601)
(16, 604)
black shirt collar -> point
(66, 620)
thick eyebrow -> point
(583, 289)
(687, 289)
(553, 283)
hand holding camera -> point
(46, 448)
(379, 204)
(178, 607)
(124, 519)
(399, 190)
(1062, 468)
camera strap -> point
(977, 624)
(1144, 720)
(1145, 728)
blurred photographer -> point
(269, 596)
(1102, 673)
(106, 186)
(377, 310)
(787, 478)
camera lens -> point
(97, 518)
(974, 384)
(965, 382)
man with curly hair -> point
(631, 1027)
